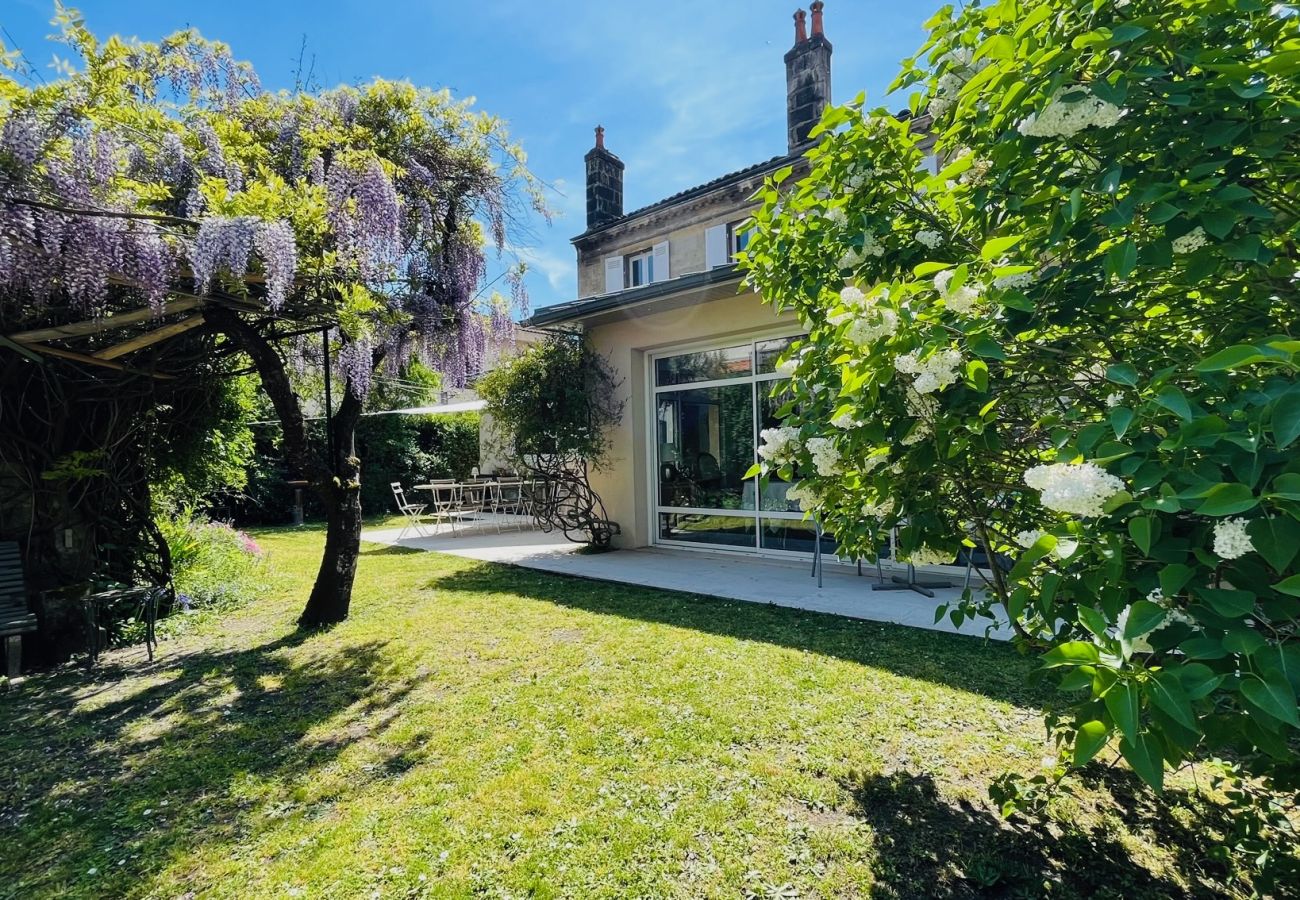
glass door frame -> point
(756, 381)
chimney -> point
(807, 78)
(604, 184)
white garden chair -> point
(413, 513)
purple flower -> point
(222, 244)
(276, 245)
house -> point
(661, 297)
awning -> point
(439, 410)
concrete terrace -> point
(731, 576)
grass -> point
(483, 730)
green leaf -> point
(977, 374)
(1174, 400)
(1166, 692)
(983, 345)
(995, 247)
(1203, 648)
(1142, 529)
(1174, 577)
(1071, 653)
(1122, 373)
(1274, 695)
(1093, 621)
(1120, 419)
(929, 268)
(1286, 417)
(1233, 357)
(1286, 487)
(1198, 680)
(1230, 604)
(1122, 704)
(1089, 741)
(1227, 499)
(1145, 759)
(1276, 538)
(1143, 616)
(1289, 586)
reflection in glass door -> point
(709, 407)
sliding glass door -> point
(709, 406)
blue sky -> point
(686, 90)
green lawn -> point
(482, 730)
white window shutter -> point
(661, 261)
(715, 247)
(613, 274)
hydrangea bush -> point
(1071, 350)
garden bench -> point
(15, 618)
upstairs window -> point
(738, 236)
(636, 269)
(640, 268)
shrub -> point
(1073, 346)
(215, 567)
(409, 449)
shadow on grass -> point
(972, 664)
(368, 549)
(929, 846)
(195, 739)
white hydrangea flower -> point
(878, 510)
(1114, 400)
(874, 461)
(1080, 489)
(837, 216)
(1028, 538)
(1192, 241)
(977, 173)
(1017, 281)
(778, 445)
(787, 367)
(1066, 118)
(859, 179)
(804, 494)
(851, 259)
(934, 373)
(1157, 596)
(962, 300)
(926, 555)
(929, 238)
(920, 431)
(871, 245)
(851, 296)
(1231, 540)
(868, 329)
(825, 456)
(845, 420)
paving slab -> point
(730, 575)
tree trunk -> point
(331, 596)
(337, 478)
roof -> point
(574, 310)
(770, 165)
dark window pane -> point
(791, 534)
(706, 444)
(769, 352)
(708, 365)
(705, 528)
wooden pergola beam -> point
(105, 323)
(139, 342)
(94, 361)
